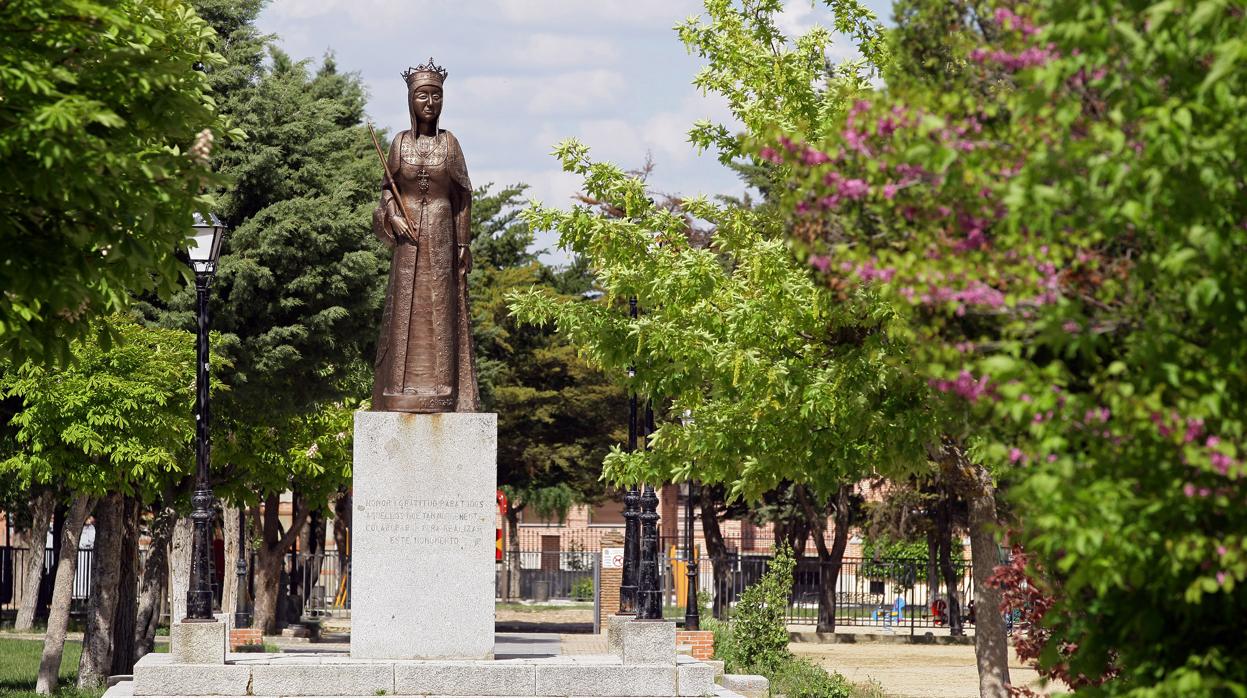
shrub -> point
(800, 678)
(582, 590)
(759, 635)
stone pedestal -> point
(198, 642)
(648, 642)
(422, 540)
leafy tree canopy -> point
(117, 418)
(101, 166)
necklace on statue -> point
(424, 146)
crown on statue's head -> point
(425, 74)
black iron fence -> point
(538, 576)
(887, 593)
(323, 581)
(13, 561)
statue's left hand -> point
(465, 259)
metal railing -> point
(13, 562)
(867, 590)
(533, 576)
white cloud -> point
(614, 12)
(796, 18)
(562, 94)
(565, 51)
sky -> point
(526, 74)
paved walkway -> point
(583, 644)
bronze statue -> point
(425, 359)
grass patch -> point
(19, 667)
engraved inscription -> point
(438, 524)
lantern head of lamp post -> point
(204, 243)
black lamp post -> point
(632, 513)
(692, 617)
(242, 619)
(204, 247)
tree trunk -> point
(273, 546)
(229, 579)
(155, 574)
(267, 578)
(97, 641)
(41, 507)
(829, 559)
(180, 568)
(62, 595)
(933, 563)
(342, 539)
(125, 650)
(716, 549)
(991, 648)
(944, 521)
(513, 553)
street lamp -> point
(242, 619)
(203, 247)
(692, 617)
(628, 597)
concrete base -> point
(648, 642)
(338, 675)
(614, 633)
(422, 545)
(198, 643)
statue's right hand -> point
(399, 226)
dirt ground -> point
(504, 613)
(911, 671)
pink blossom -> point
(1052, 458)
(1194, 430)
(1213, 442)
(770, 155)
(1025, 397)
(1221, 462)
(965, 386)
(1221, 577)
(1016, 455)
(854, 189)
(855, 140)
(812, 157)
(1188, 489)
(889, 190)
(820, 262)
(1221, 550)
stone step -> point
(338, 675)
(125, 690)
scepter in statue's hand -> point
(410, 233)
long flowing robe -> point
(425, 360)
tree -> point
(101, 166)
(114, 423)
(297, 297)
(1075, 222)
(558, 416)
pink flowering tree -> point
(1056, 213)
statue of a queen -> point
(425, 359)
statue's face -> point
(426, 103)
